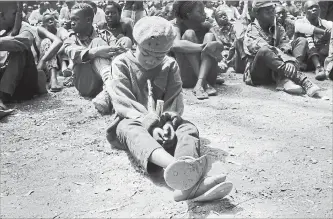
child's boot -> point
(310, 88)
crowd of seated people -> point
(270, 42)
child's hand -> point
(168, 135)
(157, 134)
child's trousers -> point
(141, 144)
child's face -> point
(221, 18)
(147, 61)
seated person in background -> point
(19, 79)
(99, 15)
(90, 54)
(159, 139)
(49, 23)
(117, 31)
(317, 32)
(285, 21)
(299, 7)
(231, 10)
(36, 17)
(195, 48)
(291, 9)
(266, 46)
(329, 60)
(156, 8)
(65, 14)
(134, 10)
(167, 12)
(209, 11)
(224, 33)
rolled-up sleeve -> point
(75, 52)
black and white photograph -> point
(166, 109)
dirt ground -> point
(276, 148)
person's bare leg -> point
(161, 158)
(315, 61)
(193, 58)
(205, 66)
(55, 87)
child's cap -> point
(154, 34)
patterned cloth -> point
(52, 63)
(225, 34)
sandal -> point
(217, 192)
(69, 82)
(211, 91)
(185, 172)
(200, 94)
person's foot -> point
(310, 88)
(102, 102)
(55, 87)
(200, 93)
(289, 86)
(320, 74)
(211, 91)
(205, 185)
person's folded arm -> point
(185, 46)
(306, 28)
(55, 46)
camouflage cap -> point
(256, 4)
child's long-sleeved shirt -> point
(129, 92)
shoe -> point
(320, 74)
(289, 86)
(102, 103)
(185, 172)
(310, 88)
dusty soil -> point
(275, 148)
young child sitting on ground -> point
(159, 140)
(225, 33)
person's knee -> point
(98, 42)
(188, 128)
(127, 124)
(189, 35)
(209, 37)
